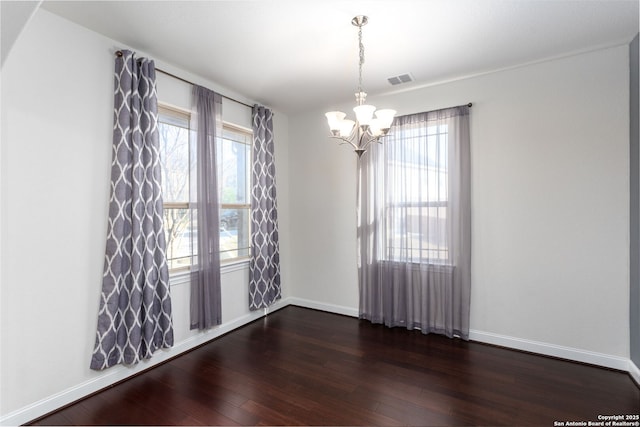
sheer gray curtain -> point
(414, 230)
(134, 318)
(206, 120)
(264, 268)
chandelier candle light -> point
(365, 129)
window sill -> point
(180, 277)
(230, 266)
(184, 276)
(419, 265)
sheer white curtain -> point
(414, 230)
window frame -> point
(389, 247)
(168, 110)
(248, 133)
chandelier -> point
(365, 129)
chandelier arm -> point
(370, 139)
(344, 141)
(367, 142)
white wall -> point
(550, 185)
(57, 112)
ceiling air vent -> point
(402, 78)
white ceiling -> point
(295, 55)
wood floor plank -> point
(304, 367)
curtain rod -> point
(119, 54)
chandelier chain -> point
(361, 58)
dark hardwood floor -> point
(306, 367)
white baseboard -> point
(569, 353)
(118, 373)
(553, 350)
(331, 308)
(634, 371)
(546, 349)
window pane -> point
(234, 233)
(234, 180)
(173, 130)
(432, 230)
(417, 234)
(174, 159)
(178, 235)
(233, 168)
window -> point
(416, 205)
(178, 163)
(234, 180)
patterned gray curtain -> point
(414, 228)
(134, 319)
(206, 119)
(264, 269)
